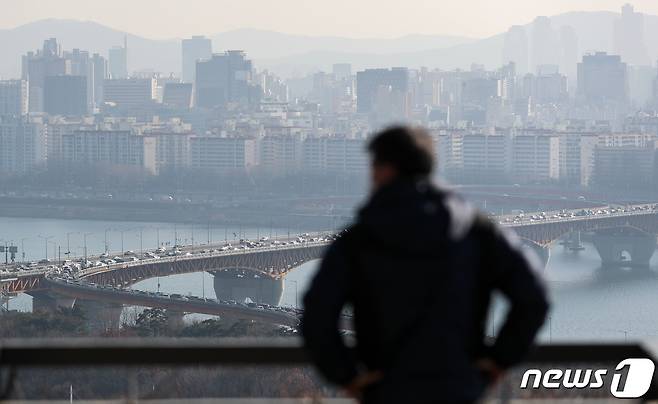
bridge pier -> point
(44, 301)
(236, 284)
(542, 252)
(624, 246)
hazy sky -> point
(351, 18)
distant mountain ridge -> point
(593, 29)
(164, 55)
(298, 54)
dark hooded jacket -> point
(418, 268)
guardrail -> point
(30, 352)
(128, 352)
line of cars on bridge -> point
(70, 267)
(520, 217)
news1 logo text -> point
(631, 378)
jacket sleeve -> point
(515, 273)
(323, 303)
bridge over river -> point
(257, 272)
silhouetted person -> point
(418, 268)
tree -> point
(152, 321)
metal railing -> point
(128, 352)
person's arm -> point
(516, 275)
(323, 303)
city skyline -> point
(470, 18)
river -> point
(589, 303)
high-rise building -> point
(577, 158)
(101, 73)
(82, 65)
(625, 167)
(345, 155)
(629, 40)
(479, 90)
(535, 157)
(342, 71)
(22, 145)
(129, 93)
(371, 82)
(640, 85)
(486, 158)
(36, 66)
(223, 153)
(281, 154)
(225, 78)
(109, 147)
(118, 60)
(427, 88)
(274, 88)
(545, 44)
(602, 78)
(172, 151)
(547, 86)
(178, 95)
(448, 151)
(515, 48)
(66, 95)
(569, 54)
(194, 49)
(336, 154)
(58, 126)
(13, 97)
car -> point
(129, 252)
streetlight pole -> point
(141, 246)
(45, 239)
(23, 247)
(85, 243)
(6, 250)
(107, 246)
(54, 244)
(68, 242)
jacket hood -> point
(415, 215)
